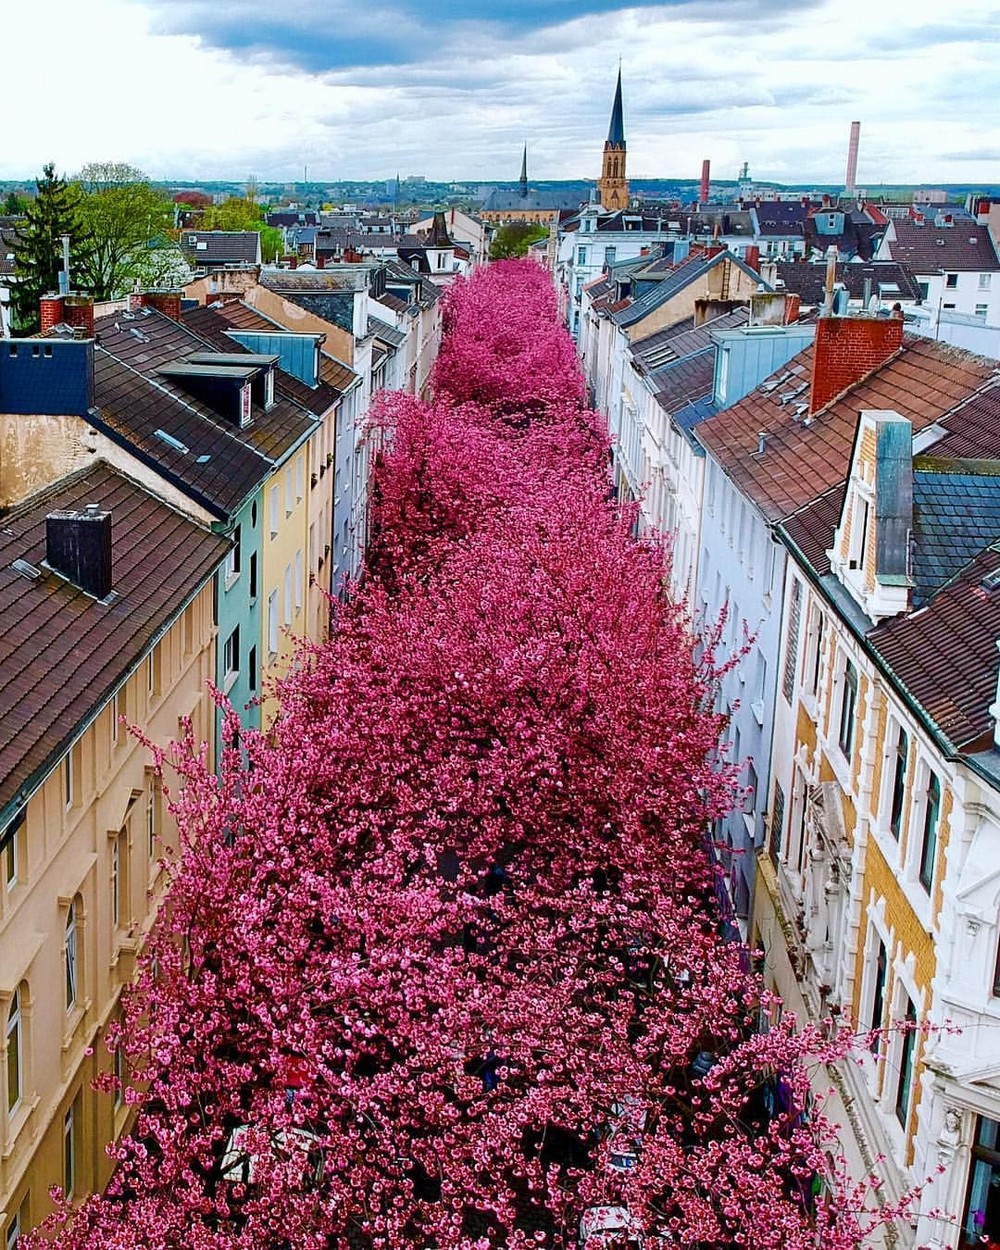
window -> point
(71, 956)
(904, 1082)
(119, 878)
(298, 580)
(981, 310)
(859, 532)
(875, 1020)
(777, 822)
(924, 289)
(15, 1056)
(153, 671)
(116, 713)
(13, 1233)
(848, 705)
(981, 1221)
(69, 1151)
(11, 850)
(118, 1068)
(152, 820)
(996, 972)
(816, 666)
(792, 641)
(273, 506)
(69, 780)
(951, 281)
(581, 255)
(984, 281)
(900, 756)
(929, 833)
(231, 568)
(272, 622)
(252, 668)
(231, 660)
(253, 576)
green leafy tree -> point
(242, 213)
(55, 211)
(127, 221)
(14, 205)
(515, 238)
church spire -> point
(524, 173)
(612, 186)
(616, 131)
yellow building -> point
(106, 601)
(877, 900)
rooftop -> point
(962, 246)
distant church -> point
(612, 186)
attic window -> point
(991, 581)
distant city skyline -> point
(226, 89)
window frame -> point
(71, 957)
(14, 1028)
(231, 660)
(847, 720)
(929, 830)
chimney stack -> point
(78, 545)
(50, 310)
(703, 196)
(830, 282)
(846, 350)
(851, 182)
(78, 312)
(166, 302)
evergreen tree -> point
(14, 205)
(38, 247)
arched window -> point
(15, 1037)
(72, 956)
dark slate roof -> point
(924, 381)
(385, 333)
(685, 381)
(293, 217)
(212, 325)
(616, 130)
(931, 249)
(781, 217)
(690, 415)
(222, 247)
(135, 400)
(956, 513)
(63, 653)
(890, 280)
(505, 201)
(728, 221)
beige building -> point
(106, 603)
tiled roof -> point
(220, 247)
(223, 462)
(682, 275)
(684, 381)
(931, 249)
(386, 333)
(682, 339)
(890, 280)
(923, 382)
(973, 429)
(946, 658)
(335, 374)
(62, 653)
(393, 302)
(212, 323)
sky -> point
(366, 89)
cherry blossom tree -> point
(441, 963)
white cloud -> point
(701, 80)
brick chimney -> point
(78, 545)
(50, 309)
(751, 256)
(846, 350)
(166, 302)
(78, 311)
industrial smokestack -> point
(703, 197)
(852, 159)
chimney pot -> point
(78, 545)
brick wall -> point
(848, 349)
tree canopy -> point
(441, 965)
(243, 213)
(127, 222)
(38, 252)
(514, 239)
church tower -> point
(612, 187)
